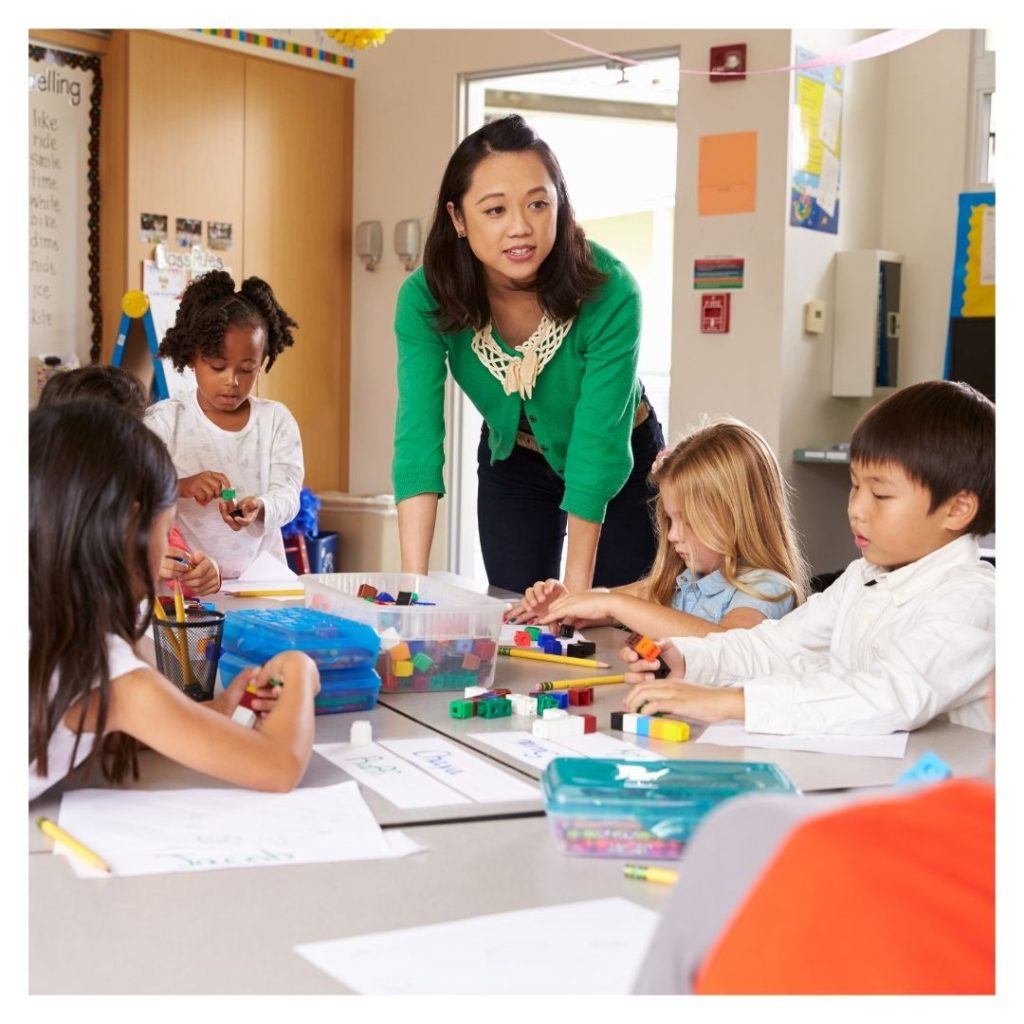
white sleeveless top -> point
(122, 660)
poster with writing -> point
(818, 102)
(60, 319)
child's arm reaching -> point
(203, 487)
(625, 606)
(195, 569)
(149, 707)
(540, 599)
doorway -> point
(613, 128)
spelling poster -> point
(818, 103)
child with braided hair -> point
(221, 436)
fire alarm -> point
(714, 313)
(728, 63)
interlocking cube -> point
(580, 695)
(581, 649)
(471, 662)
(495, 707)
(546, 700)
(566, 630)
(534, 632)
(462, 709)
(589, 722)
(485, 649)
(400, 652)
(367, 591)
(422, 661)
(560, 697)
(522, 638)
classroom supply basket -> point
(344, 651)
(599, 807)
(446, 641)
(188, 652)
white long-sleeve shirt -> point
(878, 651)
(263, 459)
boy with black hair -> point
(907, 633)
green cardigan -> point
(583, 401)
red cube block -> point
(522, 638)
(589, 723)
(366, 590)
(485, 649)
(579, 695)
(471, 662)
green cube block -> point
(422, 662)
(462, 708)
(545, 700)
(534, 632)
(496, 707)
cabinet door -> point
(298, 237)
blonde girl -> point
(727, 555)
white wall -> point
(903, 158)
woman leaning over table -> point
(541, 329)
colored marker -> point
(645, 874)
(58, 835)
(181, 560)
(568, 684)
(558, 659)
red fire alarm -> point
(714, 313)
(728, 63)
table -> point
(147, 934)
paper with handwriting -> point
(732, 734)
(146, 832)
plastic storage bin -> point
(647, 809)
(352, 689)
(448, 644)
(344, 651)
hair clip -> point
(659, 459)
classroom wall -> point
(904, 136)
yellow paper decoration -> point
(358, 38)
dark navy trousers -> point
(522, 529)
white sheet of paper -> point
(599, 744)
(828, 182)
(732, 734)
(463, 771)
(140, 832)
(828, 126)
(524, 746)
(595, 946)
(264, 569)
(398, 781)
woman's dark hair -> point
(98, 478)
(114, 383)
(454, 275)
(210, 305)
(943, 435)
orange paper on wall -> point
(727, 174)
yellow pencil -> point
(179, 603)
(667, 876)
(558, 659)
(568, 684)
(180, 639)
(58, 835)
(266, 593)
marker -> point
(559, 659)
(181, 560)
(568, 684)
(645, 874)
(57, 834)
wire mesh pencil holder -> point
(187, 652)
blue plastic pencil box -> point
(346, 689)
(600, 807)
(333, 642)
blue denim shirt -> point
(710, 597)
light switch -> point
(814, 317)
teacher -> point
(541, 329)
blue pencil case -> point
(352, 689)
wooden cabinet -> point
(195, 130)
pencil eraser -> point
(361, 733)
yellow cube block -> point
(402, 668)
(673, 732)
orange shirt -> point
(891, 897)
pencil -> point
(558, 659)
(57, 834)
(181, 637)
(667, 876)
(568, 684)
(179, 603)
(266, 593)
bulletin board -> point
(64, 204)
